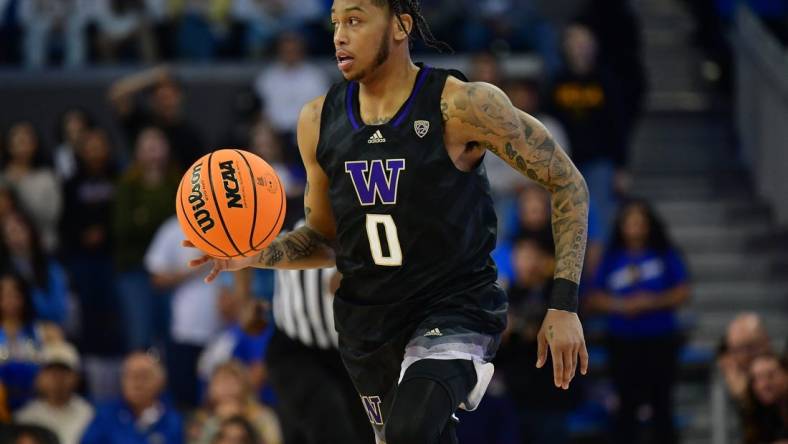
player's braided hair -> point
(420, 27)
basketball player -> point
(398, 198)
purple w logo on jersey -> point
(372, 407)
(378, 182)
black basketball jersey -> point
(414, 233)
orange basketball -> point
(230, 203)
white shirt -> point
(285, 90)
(67, 422)
(195, 319)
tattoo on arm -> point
(526, 145)
(299, 244)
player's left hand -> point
(562, 332)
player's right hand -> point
(219, 265)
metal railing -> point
(762, 109)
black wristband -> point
(563, 296)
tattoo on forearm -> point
(527, 146)
(298, 244)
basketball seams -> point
(282, 207)
(186, 217)
(216, 204)
(254, 187)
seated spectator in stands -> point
(194, 320)
(53, 26)
(21, 339)
(86, 233)
(765, 416)
(144, 200)
(237, 430)
(641, 283)
(204, 29)
(124, 32)
(36, 186)
(20, 250)
(58, 407)
(266, 20)
(229, 394)
(616, 25)
(510, 25)
(140, 417)
(586, 100)
(745, 339)
(542, 408)
(244, 301)
(73, 125)
(528, 217)
(287, 85)
(266, 143)
(163, 109)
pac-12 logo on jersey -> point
(372, 180)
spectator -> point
(21, 338)
(124, 31)
(245, 336)
(20, 250)
(766, 414)
(73, 125)
(35, 185)
(745, 339)
(288, 84)
(585, 99)
(267, 144)
(543, 409)
(229, 395)
(616, 25)
(58, 408)
(527, 218)
(640, 284)
(266, 20)
(164, 109)
(140, 417)
(509, 25)
(194, 321)
(145, 196)
(43, 18)
(207, 29)
(237, 430)
(86, 230)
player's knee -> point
(410, 430)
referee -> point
(317, 401)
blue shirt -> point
(623, 275)
(114, 423)
(50, 303)
(19, 365)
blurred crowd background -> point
(107, 337)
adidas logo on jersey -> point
(377, 138)
(434, 332)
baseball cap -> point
(60, 353)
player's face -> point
(362, 36)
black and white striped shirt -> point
(303, 306)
